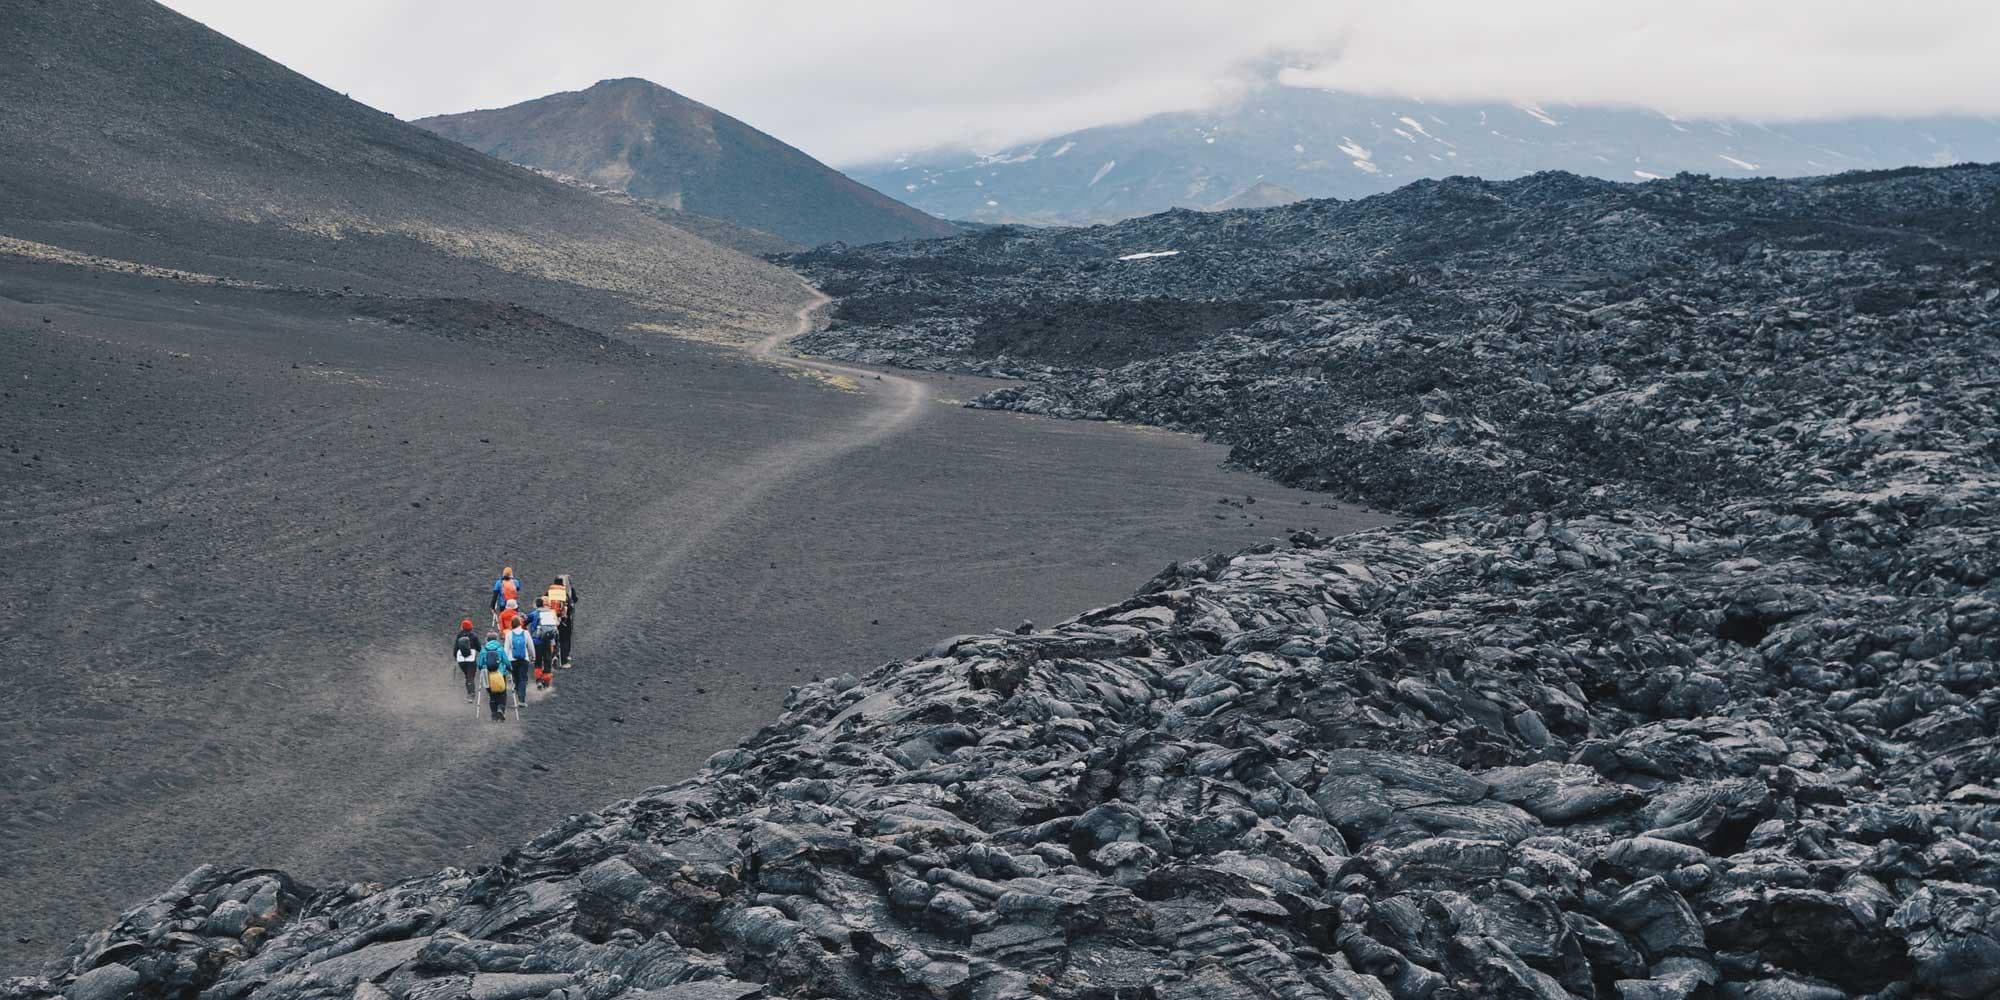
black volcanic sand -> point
(237, 529)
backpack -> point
(518, 647)
(465, 645)
(547, 625)
(492, 659)
(496, 681)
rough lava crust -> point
(1681, 686)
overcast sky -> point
(847, 86)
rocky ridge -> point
(1548, 343)
(1590, 726)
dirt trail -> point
(665, 533)
(625, 592)
(243, 525)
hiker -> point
(544, 624)
(557, 599)
(465, 653)
(505, 591)
(566, 612)
(520, 657)
(508, 617)
(493, 663)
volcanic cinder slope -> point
(635, 136)
(135, 134)
(288, 381)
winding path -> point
(735, 530)
(670, 530)
(632, 589)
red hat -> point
(466, 625)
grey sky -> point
(852, 81)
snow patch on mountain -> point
(1538, 114)
(1324, 144)
(1363, 160)
(1416, 126)
(1002, 159)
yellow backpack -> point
(496, 681)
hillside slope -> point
(1325, 144)
(641, 138)
(136, 134)
(1692, 690)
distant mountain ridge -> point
(638, 137)
(1321, 144)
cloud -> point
(848, 82)
(1719, 58)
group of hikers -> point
(523, 644)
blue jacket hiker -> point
(493, 661)
(505, 589)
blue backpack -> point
(522, 649)
(490, 658)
